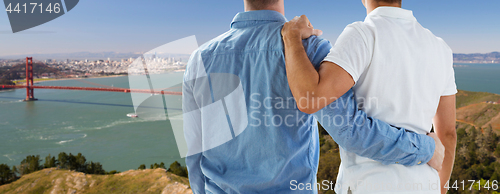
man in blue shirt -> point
(244, 131)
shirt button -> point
(420, 162)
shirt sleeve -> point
(372, 138)
(317, 49)
(351, 51)
(451, 87)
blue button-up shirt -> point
(243, 129)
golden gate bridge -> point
(30, 86)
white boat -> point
(132, 115)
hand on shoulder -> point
(299, 28)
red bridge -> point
(30, 87)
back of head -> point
(261, 4)
(389, 1)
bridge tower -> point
(30, 96)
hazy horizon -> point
(48, 55)
(135, 26)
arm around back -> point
(365, 136)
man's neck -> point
(279, 7)
(374, 5)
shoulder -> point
(195, 66)
(213, 44)
(438, 41)
(259, 37)
(444, 44)
(359, 30)
(357, 35)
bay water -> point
(95, 123)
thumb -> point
(317, 32)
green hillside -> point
(465, 98)
(51, 180)
(479, 110)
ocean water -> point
(478, 77)
(95, 123)
(92, 123)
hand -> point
(436, 161)
(299, 28)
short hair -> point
(390, 1)
(261, 4)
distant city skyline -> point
(129, 26)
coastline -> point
(62, 79)
(107, 76)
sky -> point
(141, 25)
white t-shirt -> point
(401, 70)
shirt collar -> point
(259, 15)
(394, 12)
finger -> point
(305, 19)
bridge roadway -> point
(125, 90)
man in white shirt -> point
(404, 75)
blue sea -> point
(90, 122)
(95, 123)
(478, 77)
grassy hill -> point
(465, 98)
(55, 181)
(473, 109)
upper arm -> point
(334, 81)
(190, 106)
(192, 123)
(445, 118)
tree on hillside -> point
(30, 164)
(6, 174)
(15, 171)
(50, 161)
(177, 169)
(80, 163)
(155, 166)
(476, 157)
(95, 168)
(62, 160)
(142, 167)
